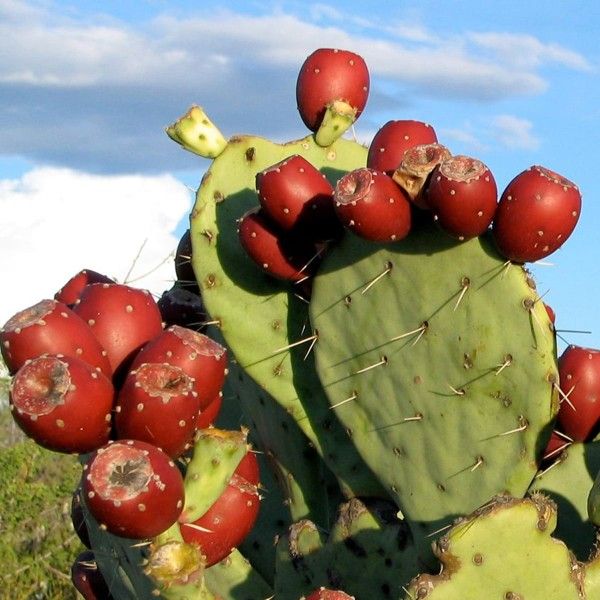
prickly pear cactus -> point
(405, 390)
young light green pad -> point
(505, 550)
(569, 481)
(438, 358)
(263, 320)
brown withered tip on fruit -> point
(412, 174)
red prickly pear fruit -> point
(121, 317)
(50, 327)
(389, 144)
(579, 376)
(197, 355)
(331, 76)
(157, 404)
(62, 403)
(462, 194)
(536, 214)
(133, 489)
(325, 594)
(225, 525)
(551, 313)
(71, 291)
(298, 197)
(78, 519)
(414, 171)
(370, 204)
(87, 578)
(210, 413)
(286, 257)
(181, 306)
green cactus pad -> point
(260, 317)
(292, 475)
(197, 133)
(121, 562)
(504, 550)
(288, 455)
(216, 455)
(438, 358)
(568, 482)
(234, 578)
(369, 553)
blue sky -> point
(87, 174)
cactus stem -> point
(311, 338)
(388, 268)
(383, 361)
(564, 396)
(465, 283)
(354, 396)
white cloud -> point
(172, 49)
(55, 222)
(526, 51)
(105, 89)
(464, 136)
(514, 132)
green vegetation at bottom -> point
(37, 541)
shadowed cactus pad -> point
(258, 316)
(439, 360)
(568, 482)
(368, 552)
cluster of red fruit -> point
(408, 176)
(96, 372)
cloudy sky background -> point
(88, 177)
